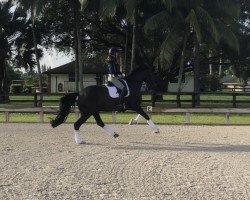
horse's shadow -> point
(193, 147)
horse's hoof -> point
(156, 131)
(132, 122)
(82, 142)
(116, 135)
(79, 140)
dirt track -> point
(182, 162)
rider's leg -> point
(119, 85)
(121, 97)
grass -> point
(207, 101)
(197, 119)
(27, 102)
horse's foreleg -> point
(77, 126)
(105, 127)
(149, 121)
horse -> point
(93, 99)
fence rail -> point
(35, 98)
(150, 110)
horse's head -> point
(141, 74)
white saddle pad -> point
(113, 93)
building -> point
(62, 78)
(187, 84)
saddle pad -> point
(113, 93)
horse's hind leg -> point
(105, 127)
(135, 121)
(77, 126)
(140, 111)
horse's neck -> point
(135, 84)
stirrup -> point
(120, 108)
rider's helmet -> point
(114, 50)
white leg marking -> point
(136, 120)
(154, 127)
(109, 131)
(78, 138)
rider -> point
(114, 75)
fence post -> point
(193, 100)
(114, 117)
(234, 100)
(35, 99)
(227, 118)
(187, 118)
(77, 115)
(41, 116)
(153, 98)
(7, 116)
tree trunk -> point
(79, 44)
(134, 41)
(126, 67)
(37, 57)
(210, 65)
(76, 62)
(220, 68)
(80, 61)
(197, 73)
(181, 70)
(4, 98)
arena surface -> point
(182, 162)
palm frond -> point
(230, 7)
(158, 20)
(169, 4)
(170, 45)
(192, 20)
(83, 4)
(227, 36)
(131, 7)
(108, 7)
(206, 20)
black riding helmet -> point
(114, 50)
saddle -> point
(114, 91)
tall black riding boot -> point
(121, 106)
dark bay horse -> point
(94, 99)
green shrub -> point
(210, 83)
(16, 88)
(27, 89)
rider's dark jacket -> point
(113, 66)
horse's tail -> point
(66, 103)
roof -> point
(229, 79)
(69, 68)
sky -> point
(53, 58)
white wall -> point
(188, 86)
(88, 80)
(56, 79)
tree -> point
(183, 22)
(10, 25)
(35, 7)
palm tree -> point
(35, 7)
(182, 22)
(10, 25)
(108, 8)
